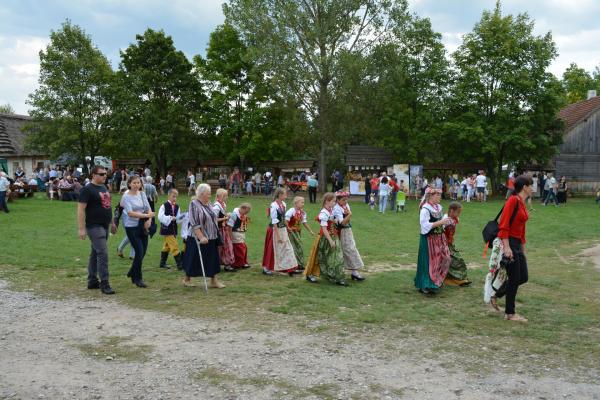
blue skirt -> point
(210, 256)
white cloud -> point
(19, 69)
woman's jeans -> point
(139, 243)
(383, 203)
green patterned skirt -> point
(296, 241)
(458, 267)
(331, 259)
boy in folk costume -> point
(457, 273)
(342, 215)
(326, 255)
(433, 257)
(238, 223)
(295, 218)
(226, 250)
(168, 216)
(278, 252)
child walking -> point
(295, 218)
(457, 273)
(168, 216)
(238, 223)
(342, 215)
(278, 252)
(401, 200)
(226, 250)
(326, 256)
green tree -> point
(396, 95)
(504, 102)
(70, 109)
(246, 120)
(157, 101)
(6, 109)
(577, 81)
(300, 44)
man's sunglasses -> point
(101, 173)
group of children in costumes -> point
(233, 253)
(333, 251)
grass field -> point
(40, 251)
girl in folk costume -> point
(342, 215)
(434, 257)
(278, 251)
(295, 218)
(326, 255)
(238, 223)
(168, 216)
(457, 273)
(226, 250)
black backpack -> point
(491, 229)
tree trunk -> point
(322, 126)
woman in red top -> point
(513, 240)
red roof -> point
(573, 114)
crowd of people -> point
(214, 237)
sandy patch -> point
(594, 255)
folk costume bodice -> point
(276, 213)
(327, 222)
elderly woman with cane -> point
(201, 257)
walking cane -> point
(201, 260)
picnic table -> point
(21, 191)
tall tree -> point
(70, 109)
(157, 101)
(577, 81)
(505, 103)
(247, 119)
(396, 95)
(300, 43)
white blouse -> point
(338, 212)
(325, 216)
(273, 212)
(424, 216)
(291, 212)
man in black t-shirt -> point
(94, 215)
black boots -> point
(94, 284)
(163, 259)
(105, 288)
(179, 261)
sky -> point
(25, 27)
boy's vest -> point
(171, 229)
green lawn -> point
(40, 250)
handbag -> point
(491, 229)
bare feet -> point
(214, 283)
(187, 282)
(515, 317)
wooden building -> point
(12, 146)
(579, 155)
(369, 159)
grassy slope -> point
(40, 251)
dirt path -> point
(75, 349)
